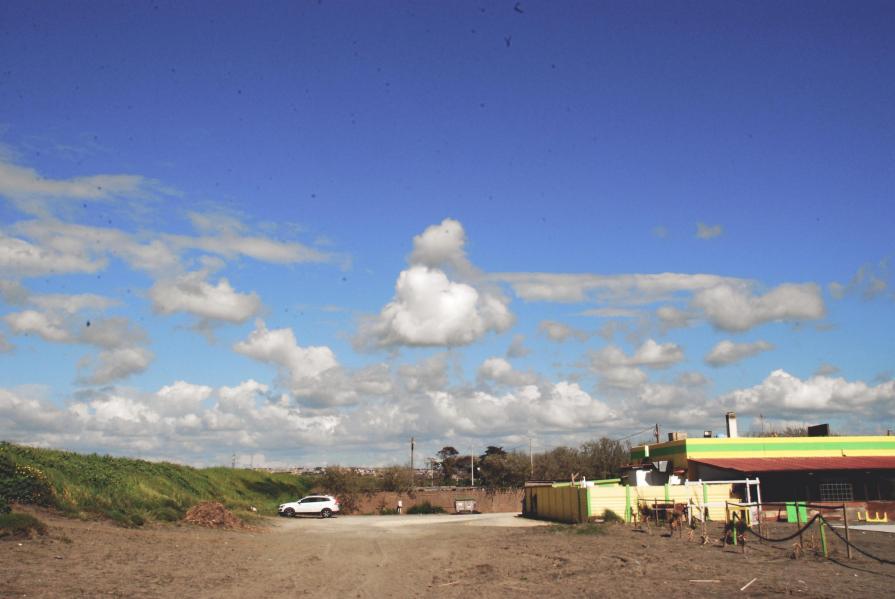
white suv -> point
(320, 505)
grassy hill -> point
(132, 491)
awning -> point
(749, 465)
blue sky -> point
(307, 231)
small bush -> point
(166, 514)
(611, 517)
(425, 508)
(388, 511)
(19, 526)
(23, 483)
(4, 506)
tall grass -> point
(132, 491)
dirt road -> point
(488, 555)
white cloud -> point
(870, 281)
(30, 191)
(784, 393)
(704, 231)
(517, 348)
(727, 352)
(5, 346)
(19, 257)
(116, 363)
(181, 398)
(623, 372)
(300, 367)
(192, 294)
(674, 318)
(733, 308)
(441, 246)
(559, 332)
(655, 355)
(46, 326)
(500, 371)
(122, 344)
(627, 288)
(430, 310)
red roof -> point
(794, 464)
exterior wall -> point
(560, 504)
(486, 502)
(622, 499)
(766, 447)
(575, 504)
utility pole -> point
(531, 458)
(471, 467)
(657, 432)
(411, 461)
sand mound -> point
(212, 514)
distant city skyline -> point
(307, 232)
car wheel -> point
(289, 512)
(326, 513)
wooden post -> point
(799, 525)
(847, 538)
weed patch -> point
(425, 508)
(20, 526)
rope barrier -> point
(853, 546)
(790, 537)
(836, 532)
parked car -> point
(319, 505)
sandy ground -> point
(488, 555)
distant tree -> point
(603, 458)
(498, 469)
(396, 478)
(448, 464)
(559, 463)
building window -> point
(836, 491)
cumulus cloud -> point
(122, 344)
(704, 231)
(301, 368)
(442, 245)
(727, 352)
(191, 293)
(674, 318)
(784, 394)
(116, 363)
(500, 371)
(431, 309)
(616, 369)
(178, 421)
(734, 308)
(559, 332)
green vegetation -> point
(132, 492)
(425, 508)
(20, 525)
(588, 528)
(611, 517)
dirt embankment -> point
(419, 556)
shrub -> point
(425, 508)
(20, 526)
(23, 483)
(610, 516)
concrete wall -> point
(486, 502)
